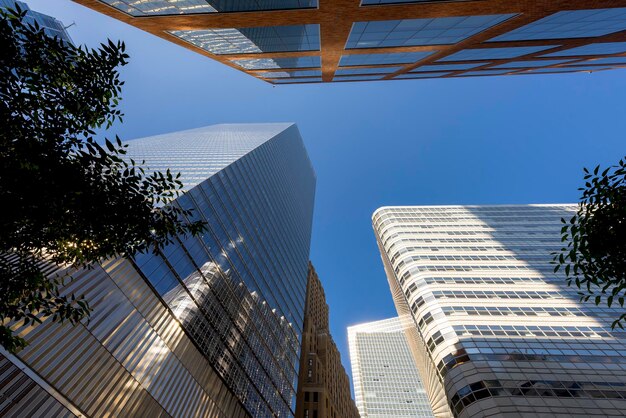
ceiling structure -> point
(309, 41)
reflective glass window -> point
(175, 7)
(571, 24)
(375, 59)
(406, 32)
(358, 78)
(297, 80)
(425, 75)
(254, 40)
(494, 53)
(529, 64)
(380, 70)
(285, 74)
(605, 61)
(446, 67)
(486, 72)
(568, 69)
(606, 48)
(269, 63)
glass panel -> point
(570, 24)
(429, 75)
(174, 7)
(375, 59)
(606, 48)
(446, 67)
(494, 53)
(297, 80)
(605, 61)
(486, 72)
(407, 32)
(358, 78)
(284, 74)
(565, 70)
(268, 63)
(254, 40)
(381, 70)
(529, 64)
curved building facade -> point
(495, 331)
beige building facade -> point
(323, 384)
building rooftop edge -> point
(471, 206)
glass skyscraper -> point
(211, 325)
(495, 331)
(386, 380)
(240, 288)
(312, 41)
(49, 24)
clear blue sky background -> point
(482, 140)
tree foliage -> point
(66, 198)
(595, 256)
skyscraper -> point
(211, 326)
(323, 385)
(310, 41)
(49, 24)
(496, 332)
(386, 381)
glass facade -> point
(386, 380)
(380, 70)
(406, 32)
(527, 64)
(383, 33)
(239, 289)
(606, 48)
(570, 24)
(392, 58)
(495, 53)
(50, 25)
(254, 40)
(269, 63)
(173, 7)
(422, 75)
(498, 331)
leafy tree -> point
(595, 256)
(67, 200)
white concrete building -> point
(495, 331)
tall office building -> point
(312, 41)
(49, 24)
(212, 325)
(323, 385)
(496, 332)
(386, 381)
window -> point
(254, 40)
(570, 24)
(406, 32)
(495, 53)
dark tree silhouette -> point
(595, 256)
(67, 199)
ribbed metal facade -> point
(211, 326)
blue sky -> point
(482, 140)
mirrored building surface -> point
(211, 325)
(313, 41)
(49, 24)
(495, 331)
(386, 381)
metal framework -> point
(336, 18)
